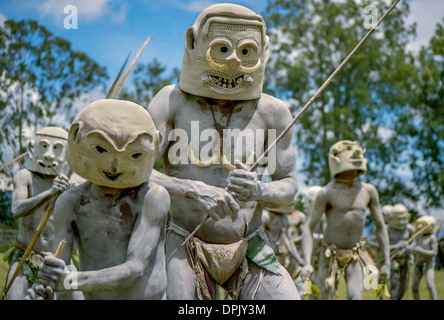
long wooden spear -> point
(114, 91)
(309, 102)
(19, 158)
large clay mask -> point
(47, 151)
(345, 156)
(399, 217)
(226, 51)
(113, 143)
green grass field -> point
(423, 292)
(340, 293)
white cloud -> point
(87, 10)
(426, 14)
(2, 18)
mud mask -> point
(345, 156)
(399, 217)
(226, 51)
(425, 222)
(47, 151)
(113, 143)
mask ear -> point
(31, 147)
(160, 137)
(74, 132)
(333, 155)
(189, 39)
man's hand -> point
(52, 273)
(306, 272)
(216, 202)
(244, 185)
(384, 272)
(39, 292)
(60, 184)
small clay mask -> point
(113, 143)
(399, 217)
(225, 55)
(47, 151)
(346, 156)
(426, 224)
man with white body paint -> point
(117, 216)
(220, 90)
(344, 201)
(34, 187)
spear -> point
(410, 240)
(34, 238)
(121, 82)
(19, 158)
(309, 102)
(112, 94)
(118, 77)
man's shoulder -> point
(74, 194)
(158, 194)
(23, 176)
(274, 111)
(271, 103)
(368, 186)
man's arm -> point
(21, 204)
(245, 186)
(148, 230)
(428, 253)
(319, 207)
(380, 228)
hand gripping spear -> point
(112, 94)
(309, 102)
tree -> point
(41, 78)
(147, 82)
(309, 39)
(427, 136)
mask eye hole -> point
(136, 155)
(101, 150)
(223, 49)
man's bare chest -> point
(105, 219)
(208, 136)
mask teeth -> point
(248, 79)
(224, 82)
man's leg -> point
(354, 277)
(180, 277)
(263, 285)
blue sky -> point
(109, 29)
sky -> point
(108, 30)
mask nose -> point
(49, 155)
(357, 153)
(114, 165)
(233, 60)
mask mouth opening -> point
(44, 165)
(223, 82)
(111, 176)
